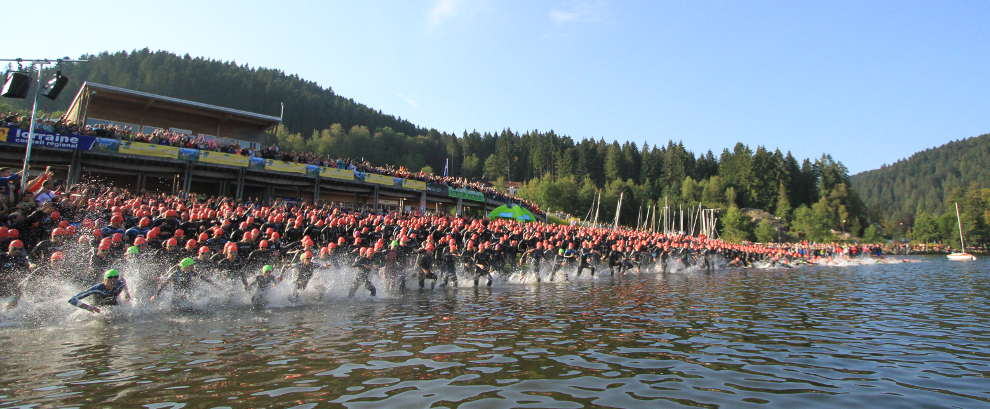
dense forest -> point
(810, 199)
(914, 197)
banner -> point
(281, 166)
(466, 194)
(106, 145)
(437, 189)
(148, 149)
(312, 170)
(221, 158)
(380, 179)
(256, 163)
(335, 173)
(188, 154)
(414, 184)
(12, 134)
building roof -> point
(182, 102)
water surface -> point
(904, 335)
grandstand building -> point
(99, 104)
(147, 166)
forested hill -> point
(925, 181)
(308, 105)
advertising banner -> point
(12, 134)
(466, 194)
(148, 149)
(414, 184)
(106, 145)
(256, 163)
(221, 158)
(437, 189)
(335, 173)
(188, 154)
(380, 179)
(312, 170)
(281, 166)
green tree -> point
(766, 232)
(736, 226)
(783, 207)
(925, 229)
(471, 167)
(690, 192)
(872, 234)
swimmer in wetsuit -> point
(181, 279)
(106, 293)
(264, 282)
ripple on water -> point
(878, 336)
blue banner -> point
(188, 154)
(106, 145)
(256, 163)
(11, 134)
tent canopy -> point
(512, 212)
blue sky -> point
(868, 81)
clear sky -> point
(868, 81)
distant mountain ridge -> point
(923, 181)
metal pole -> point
(598, 206)
(30, 140)
(962, 243)
(639, 215)
(618, 210)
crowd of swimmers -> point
(89, 235)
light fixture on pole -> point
(16, 84)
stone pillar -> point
(374, 198)
(460, 207)
(422, 202)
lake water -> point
(878, 336)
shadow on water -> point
(906, 335)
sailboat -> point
(962, 255)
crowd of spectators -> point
(183, 140)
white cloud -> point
(578, 12)
(443, 10)
(408, 100)
(562, 16)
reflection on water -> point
(909, 335)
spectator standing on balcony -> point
(45, 193)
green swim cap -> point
(133, 250)
(560, 251)
(111, 273)
(267, 268)
(187, 262)
(393, 244)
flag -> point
(445, 163)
